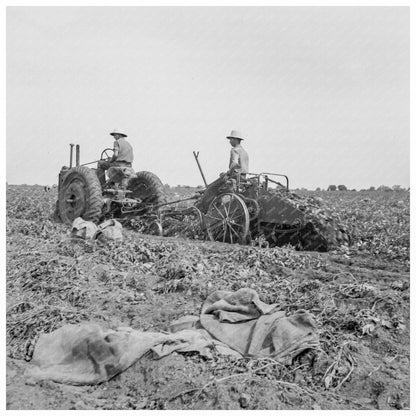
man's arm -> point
(116, 149)
(234, 161)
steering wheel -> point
(107, 154)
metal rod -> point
(70, 154)
(175, 202)
(149, 206)
(196, 154)
(77, 155)
(90, 163)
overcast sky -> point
(321, 94)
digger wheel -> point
(147, 188)
(80, 196)
(227, 219)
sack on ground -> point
(109, 230)
(83, 229)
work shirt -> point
(125, 151)
(238, 160)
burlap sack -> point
(83, 229)
(109, 230)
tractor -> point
(81, 193)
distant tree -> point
(318, 189)
(371, 188)
(384, 188)
(332, 188)
(353, 190)
(397, 188)
(342, 188)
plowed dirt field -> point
(359, 297)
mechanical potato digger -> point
(238, 209)
(242, 208)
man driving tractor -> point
(119, 165)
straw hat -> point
(118, 131)
(235, 135)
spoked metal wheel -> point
(227, 219)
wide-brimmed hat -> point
(235, 135)
(118, 131)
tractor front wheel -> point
(80, 196)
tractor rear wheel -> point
(147, 188)
(80, 196)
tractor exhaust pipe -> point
(77, 155)
(70, 154)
